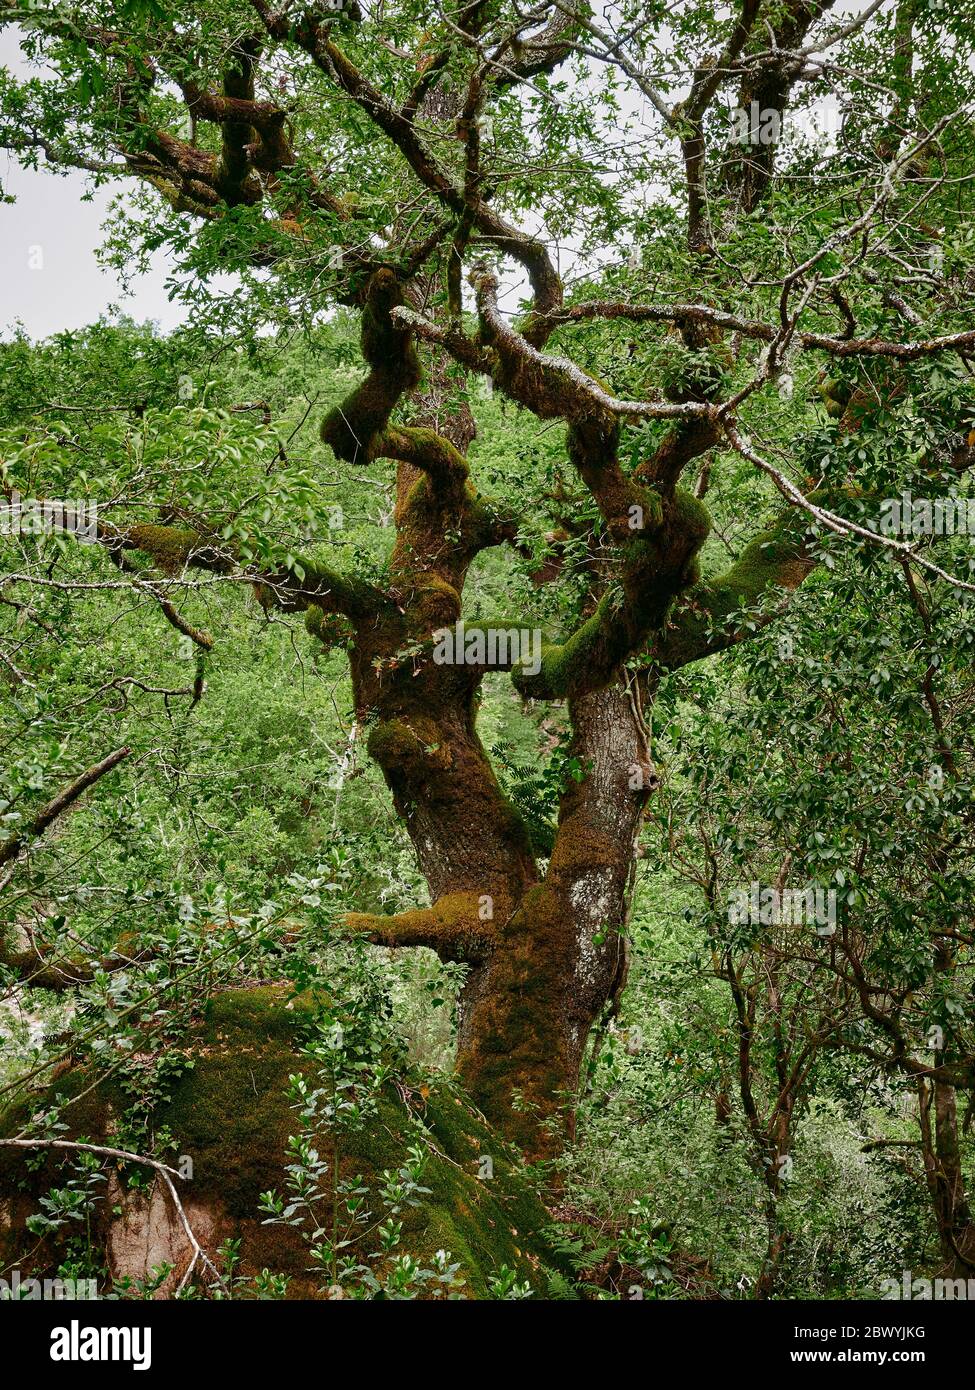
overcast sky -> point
(50, 229)
(48, 240)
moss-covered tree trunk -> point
(546, 950)
(545, 944)
(543, 935)
(559, 960)
(548, 954)
(542, 929)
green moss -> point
(689, 517)
(227, 1111)
(434, 604)
(330, 629)
(779, 555)
(169, 546)
(336, 592)
(592, 652)
(231, 1115)
(426, 449)
(484, 1222)
(413, 746)
(653, 572)
(836, 393)
(351, 428)
(565, 663)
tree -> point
(878, 987)
(400, 162)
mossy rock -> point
(231, 1115)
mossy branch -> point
(31, 965)
(454, 927)
(780, 557)
(629, 509)
(291, 588)
(41, 968)
(653, 572)
(48, 814)
(433, 454)
(352, 429)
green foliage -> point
(190, 988)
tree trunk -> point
(561, 960)
(545, 943)
(547, 951)
(945, 1178)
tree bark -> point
(945, 1177)
(560, 960)
(547, 951)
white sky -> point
(51, 228)
(69, 289)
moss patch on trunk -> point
(230, 1113)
